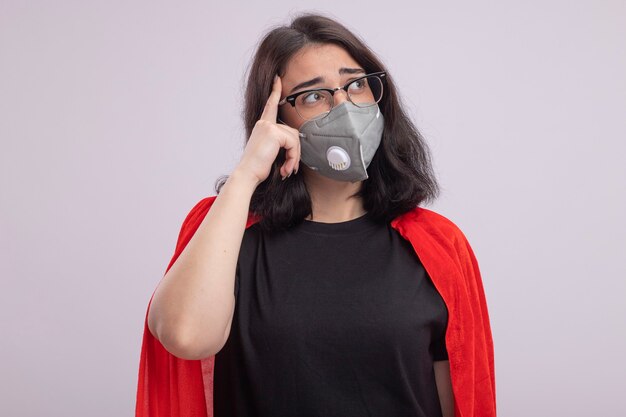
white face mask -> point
(342, 144)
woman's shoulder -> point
(418, 218)
(429, 228)
(429, 221)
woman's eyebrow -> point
(318, 80)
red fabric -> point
(174, 387)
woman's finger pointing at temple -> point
(270, 112)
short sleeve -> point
(438, 348)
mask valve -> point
(338, 158)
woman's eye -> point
(357, 85)
(311, 98)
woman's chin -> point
(314, 175)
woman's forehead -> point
(318, 60)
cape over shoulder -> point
(175, 387)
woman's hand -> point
(267, 138)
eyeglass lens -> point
(363, 92)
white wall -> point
(117, 117)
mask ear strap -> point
(302, 135)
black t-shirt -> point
(331, 319)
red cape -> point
(174, 387)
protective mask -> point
(342, 144)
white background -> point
(116, 117)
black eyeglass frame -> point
(291, 99)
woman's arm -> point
(192, 308)
(444, 387)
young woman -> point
(313, 284)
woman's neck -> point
(330, 199)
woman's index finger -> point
(270, 111)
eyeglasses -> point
(314, 104)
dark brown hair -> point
(400, 173)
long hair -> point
(400, 173)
